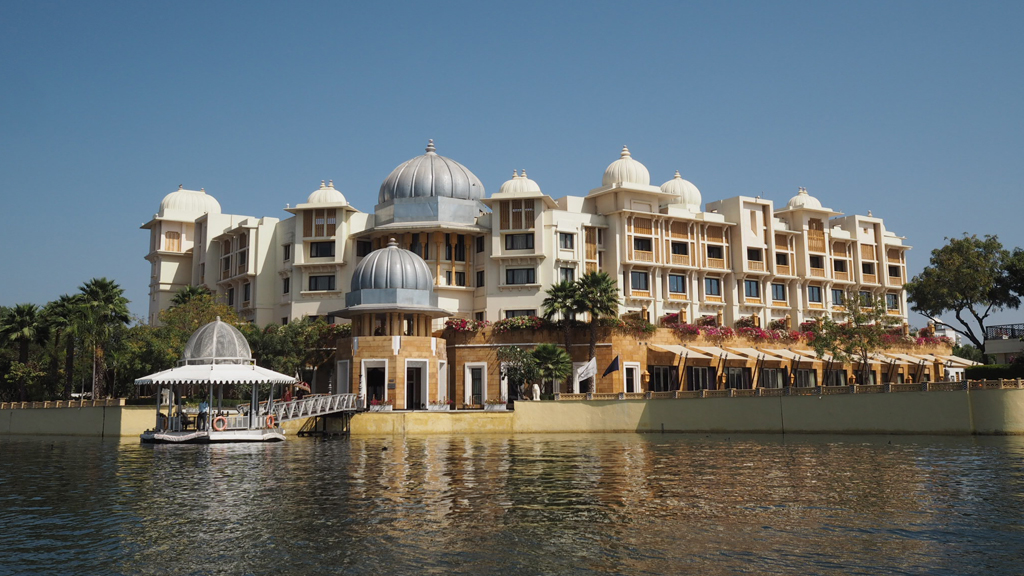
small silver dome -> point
(217, 343)
(431, 175)
(392, 267)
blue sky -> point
(909, 109)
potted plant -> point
(382, 405)
(496, 404)
(440, 406)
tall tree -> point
(64, 317)
(23, 325)
(859, 337)
(104, 307)
(562, 302)
(597, 295)
(552, 364)
(970, 277)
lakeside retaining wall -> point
(958, 412)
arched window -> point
(172, 242)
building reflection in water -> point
(617, 503)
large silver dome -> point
(431, 175)
(394, 268)
(217, 343)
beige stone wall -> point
(86, 421)
(382, 347)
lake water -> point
(545, 504)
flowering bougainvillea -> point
(464, 325)
(518, 323)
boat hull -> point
(213, 436)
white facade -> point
(494, 257)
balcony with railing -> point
(818, 272)
(755, 266)
(716, 263)
(681, 259)
(843, 275)
(871, 279)
(783, 270)
(1004, 331)
(643, 256)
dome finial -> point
(322, 185)
(625, 152)
(330, 183)
(203, 190)
(430, 146)
(392, 243)
(515, 173)
(524, 172)
(678, 175)
(180, 186)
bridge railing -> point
(314, 406)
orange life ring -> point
(223, 423)
(271, 421)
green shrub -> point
(994, 372)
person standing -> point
(204, 415)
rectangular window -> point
(779, 292)
(231, 296)
(677, 284)
(515, 313)
(417, 247)
(246, 292)
(320, 283)
(479, 278)
(479, 244)
(638, 281)
(817, 261)
(460, 248)
(782, 259)
(566, 241)
(680, 249)
(737, 377)
(814, 294)
(460, 278)
(566, 274)
(478, 316)
(754, 255)
(448, 278)
(772, 378)
(712, 287)
(287, 285)
(519, 276)
(751, 288)
(476, 378)
(868, 267)
(894, 272)
(363, 247)
(892, 302)
(839, 265)
(701, 378)
(642, 244)
(805, 378)
(715, 252)
(321, 249)
(865, 298)
(518, 241)
(287, 249)
(838, 297)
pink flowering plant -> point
(518, 323)
(464, 325)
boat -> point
(216, 356)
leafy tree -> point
(970, 353)
(197, 311)
(104, 308)
(553, 363)
(64, 318)
(518, 368)
(562, 301)
(23, 326)
(187, 293)
(598, 295)
(972, 278)
(857, 338)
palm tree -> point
(64, 317)
(562, 301)
(553, 363)
(187, 293)
(23, 325)
(104, 307)
(598, 295)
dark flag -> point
(613, 367)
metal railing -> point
(1004, 331)
(314, 406)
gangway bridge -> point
(318, 409)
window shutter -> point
(307, 223)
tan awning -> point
(754, 353)
(958, 362)
(718, 352)
(789, 354)
(679, 351)
(905, 358)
